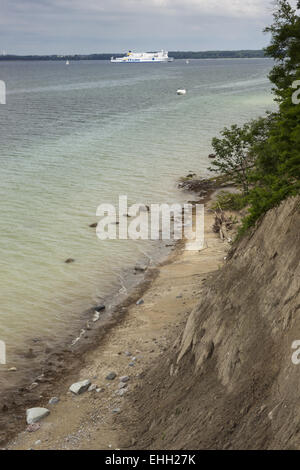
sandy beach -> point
(132, 347)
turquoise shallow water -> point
(74, 137)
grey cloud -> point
(83, 26)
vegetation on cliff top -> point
(263, 156)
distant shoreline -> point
(241, 54)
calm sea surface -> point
(75, 136)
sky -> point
(94, 26)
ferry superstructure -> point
(144, 57)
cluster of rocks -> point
(35, 415)
(195, 185)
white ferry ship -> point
(137, 57)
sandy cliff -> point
(229, 381)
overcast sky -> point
(89, 26)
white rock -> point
(96, 316)
(33, 415)
(80, 387)
(92, 388)
(33, 385)
(53, 401)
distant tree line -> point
(58, 57)
(243, 54)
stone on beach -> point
(96, 316)
(122, 385)
(124, 378)
(33, 415)
(33, 385)
(140, 302)
(53, 401)
(111, 376)
(80, 387)
(92, 388)
(141, 267)
(99, 308)
(33, 427)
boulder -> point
(80, 387)
(33, 415)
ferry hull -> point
(140, 61)
(143, 58)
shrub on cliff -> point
(235, 151)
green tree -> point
(277, 166)
(236, 150)
(263, 156)
(284, 47)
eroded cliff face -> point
(229, 381)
